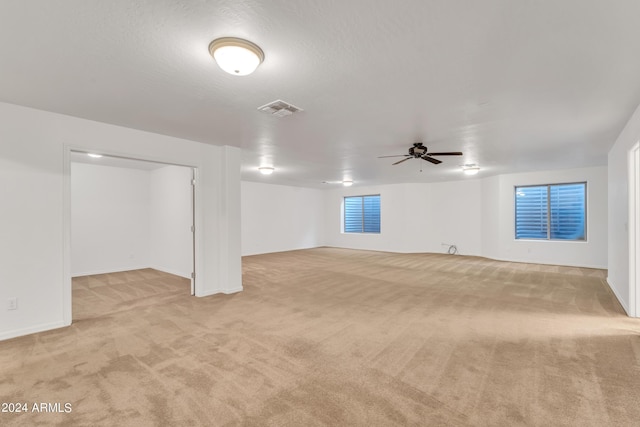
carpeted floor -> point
(337, 337)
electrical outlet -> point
(12, 303)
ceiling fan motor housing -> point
(418, 150)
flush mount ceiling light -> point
(346, 183)
(94, 155)
(236, 56)
(470, 169)
(266, 170)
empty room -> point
(357, 213)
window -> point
(362, 214)
(553, 212)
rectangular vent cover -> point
(280, 108)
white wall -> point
(491, 218)
(455, 212)
(110, 210)
(414, 217)
(279, 218)
(618, 224)
(35, 211)
(170, 220)
(126, 219)
(477, 215)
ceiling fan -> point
(419, 151)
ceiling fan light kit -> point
(236, 56)
(419, 151)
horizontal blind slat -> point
(567, 211)
(531, 212)
(353, 214)
(371, 214)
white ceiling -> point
(516, 85)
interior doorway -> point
(634, 230)
(131, 215)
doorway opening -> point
(132, 227)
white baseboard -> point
(31, 330)
(620, 300)
(120, 270)
(525, 261)
(224, 291)
(171, 271)
(110, 270)
(275, 251)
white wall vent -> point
(280, 108)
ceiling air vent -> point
(280, 108)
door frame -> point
(634, 230)
(194, 180)
(196, 204)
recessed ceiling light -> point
(266, 170)
(94, 155)
(470, 169)
(347, 183)
(236, 56)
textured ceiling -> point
(516, 85)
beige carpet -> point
(337, 337)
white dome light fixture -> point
(347, 183)
(94, 155)
(236, 56)
(470, 169)
(266, 170)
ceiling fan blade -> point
(399, 155)
(446, 153)
(400, 161)
(429, 159)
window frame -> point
(361, 197)
(549, 238)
